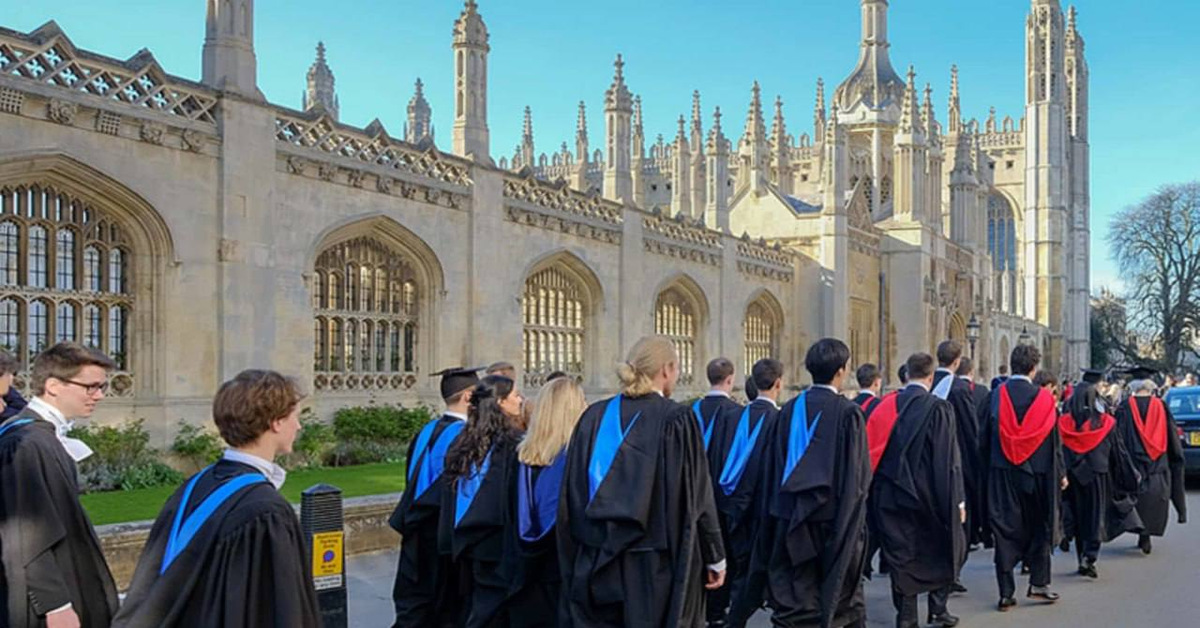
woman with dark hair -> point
(1095, 458)
(479, 466)
(11, 401)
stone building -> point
(193, 229)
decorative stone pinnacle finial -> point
(420, 88)
(320, 52)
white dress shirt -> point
(77, 449)
(274, 473)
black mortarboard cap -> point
(1142, 372)
(1092, 376)
(457, 379)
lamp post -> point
(1024, 338)
(973, 333)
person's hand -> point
(716, 580)
(65, 618)
(1182, 518)
(1065, 483)
(962, 513)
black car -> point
(1185, 407)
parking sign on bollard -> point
(322, 520)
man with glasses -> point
(54, 573)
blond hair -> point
(559, 406)
(649, 356)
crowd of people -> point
(632, 511)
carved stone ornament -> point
(384, 184)
(228, 250)
(326, 171)
(153, 133)
(193, 140)
(296, 165)
(354, 178)
(61, 111)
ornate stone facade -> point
(249, 234)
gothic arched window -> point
(1002, 245)
(360, 341)
(63, 277)
(675, 318)
(760, 333)
(553, 312)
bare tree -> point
(1156, 243)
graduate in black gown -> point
(1096, 459)
(978, 531)
(947, 385)
(426, 578)
(638, 533)
(870, 387)
(11, 401)
(1149, 431)
(716, 414)
(227, 549)
(738, 481)
(919, 506)
(53, 572)
(809, 551)
(1022, 454)
(531, 568)
(477, 503)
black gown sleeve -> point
(687, 441)
(1175, 461)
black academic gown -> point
(737, 496)
(50, 553)
(246, 567)
(531, 566)
(635, 554)
(916, 494)
(867, 402)
(474, 534)
(811, 544)
(962, 399)
(426, 582)
(1023, 501)
(1162, 479)
(1095, 477)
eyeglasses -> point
(90, 389)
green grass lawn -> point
(367, 479)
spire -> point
(910, 115)
(819, 113)
(955, 114)
(420, 117)
(581, 124)
(778, 127)
(320, 95)
(681, 173)
(470, 47)
(618, 98)
(228, 60)
(928, 120)
(639, 130)
(697, 124)
(469, 29)
(716, 210)
(716, 138)
(873, 80)
(756, 128)
(527, 150)
(681, 135)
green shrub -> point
(197, 445)
(368, 434)
(314, 446)
(122, 459)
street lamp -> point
(1024, 338)
(973, 333)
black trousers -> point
(906, 606)
(1087, 551)
(1039, 574)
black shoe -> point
(1024, 569)
(1042, 593)
(957, 587)
(1005, 604)
(1065, 545)
(1088, 570)
(946, 620)
(1145, 545)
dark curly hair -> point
(486, 426)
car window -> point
(1184, 403)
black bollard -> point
(322, 520)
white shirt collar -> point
(828, 387)
(77, 449)
(964, 377)
(768, 400)
(717, 393)
(920, 385)
(942, 369)
(455, 415)
(274, 473)
(868, 391)
(1024, 378)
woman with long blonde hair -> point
(542, 457)
(637, 528)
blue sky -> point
(549, 54)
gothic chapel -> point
(192, 229)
